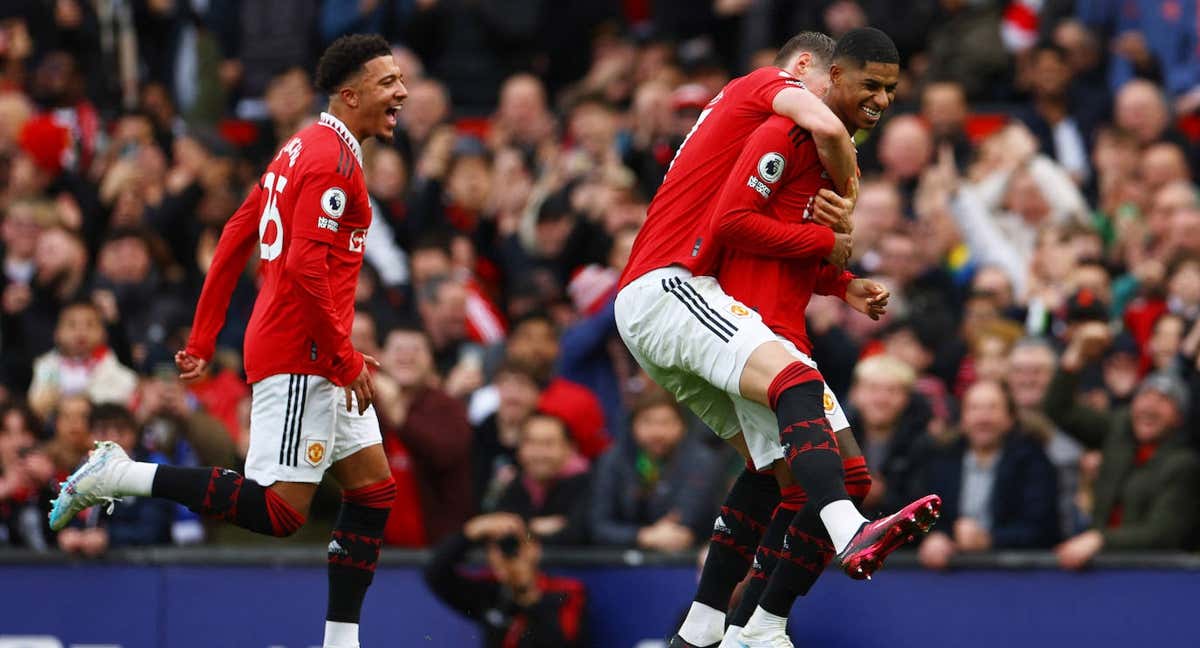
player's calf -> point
(223, 494)
(736, 534)
(352, 557)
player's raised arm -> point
(229, 260)
(834, 145)
(808, 56)
(739, 219)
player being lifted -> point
(779, 175)
(719, 358)
(311, 410)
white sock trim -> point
(341, 635)
(138, 479)
(842, 520)
(732, 638)
(704, 625)
(763, 625)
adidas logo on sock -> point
(757, 566)
(787, 546)
(720, 527)
(337, 549)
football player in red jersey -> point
(311, 411)
(720, 358)
(778, 177)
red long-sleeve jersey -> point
(772, 255)
(309, 216)
(674, 231)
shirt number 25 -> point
(274, 186)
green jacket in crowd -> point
(1158, 498)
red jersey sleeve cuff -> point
(825, 245)
(349, 368)
(843, 282)
(202, 351)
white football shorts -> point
(299, 427)
(694, 340)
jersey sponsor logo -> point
(828, 402)
(754, 183)
(770, 167)
(739, 311)
(325, 222)
(333, 201)
(314, 452)
(358, 240)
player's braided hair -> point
(345, 57)
(866, 45)
(816, 43)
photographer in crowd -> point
(515, 604)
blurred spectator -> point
(1151, 37)
(515, 604)
(997, 486)
(493, 453)
(550, 490)
(1031, 366)
(26, 481)
(81, 363)
(964, 45)
(71, 439)
(1148, 472)
(887, 418)
(944, 108)
(431, 428)
(534, 342)
(259, 39)
(131, 521)
(653, 489)
(1055, 116)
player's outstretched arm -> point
(834, 146)
(233, 250)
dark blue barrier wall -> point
(182, 606)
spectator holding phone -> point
(515, 604)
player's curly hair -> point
(345, 57)
(866, 45)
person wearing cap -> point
(1144, 496)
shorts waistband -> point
(669, 272)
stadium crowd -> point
(1031, 202)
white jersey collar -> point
(329, 121)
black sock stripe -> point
(700, 312)
(287, 414)
(714, 311)
(696, 313)
(300, 424)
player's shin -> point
(769, 550)
(353, 554)
(218, 493)
(811, 449)
(736, 534)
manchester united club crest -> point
(828, 402)
(738, 310)
(314, 452)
